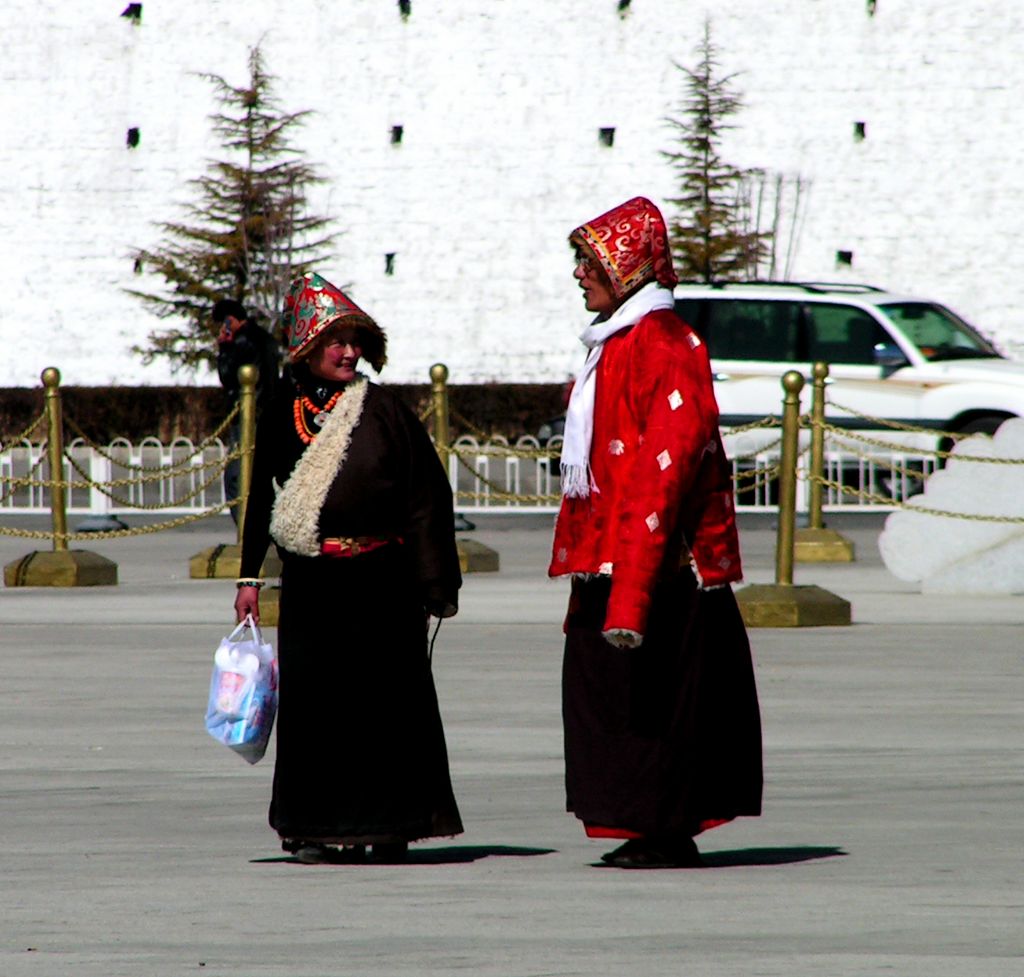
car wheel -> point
(984, 425)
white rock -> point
(950, 555)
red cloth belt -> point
(354, 545)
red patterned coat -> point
(664, 492)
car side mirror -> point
(889, 357)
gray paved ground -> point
(891, 841)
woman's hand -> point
(247, 602)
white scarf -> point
(577, 479)
(295, 519)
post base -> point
(821, 546)
(782, 606)
(270, 605)
(474, 557)
(224, 561)
(61, 568)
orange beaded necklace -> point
(303, 404)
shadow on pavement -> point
(449, 855)
(767, 856)
(747, 856)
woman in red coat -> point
(662, 726)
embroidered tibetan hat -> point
(631, 243)
(313, 305)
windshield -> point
(938, 333)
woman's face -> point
(597, 290)
(336, 355)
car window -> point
(842, 334)
(746, 329)
(938, 332)
(689, 310)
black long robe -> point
(360, 747)
(663, 740)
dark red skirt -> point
(664, 739)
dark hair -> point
(223, 308)
(375, 345)
(371, 338)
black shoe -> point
(390, 852)
(673, 853)
(317, 853)
(628, 848)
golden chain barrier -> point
(170, 472)
(768, 421)
(760, 451)
(844, 434)
(181, 467)
(496, 491)
(156, 527)
(761, 477)
(15, 481)
(425, 415)
(886, 500)
(27, 481)
(15, 442)
(150, 469)
(505, 451)
(892, 466)
(468, 424)
(103, 487)
(896, 425)
(932, 452)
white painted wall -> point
(501, 101)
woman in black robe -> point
(348, 485)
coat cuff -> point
(623, 638)
(438, 603)
(627, 609)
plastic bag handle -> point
(251, 625)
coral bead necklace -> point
(303, 404)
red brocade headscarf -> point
(631, 243)
(313, 305)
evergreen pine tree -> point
(710, 232)
(247, 235)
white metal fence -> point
(114, 471)
(492, 476)
(520, 477)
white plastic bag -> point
(242, 703)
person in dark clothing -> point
(240, 342)
(363, 522)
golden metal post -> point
(439, 395)
(817, 461)
(248, 376)
(55, 450)
(792, 383)
(783, 605)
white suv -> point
(891, 356)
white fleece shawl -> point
(295, 518)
